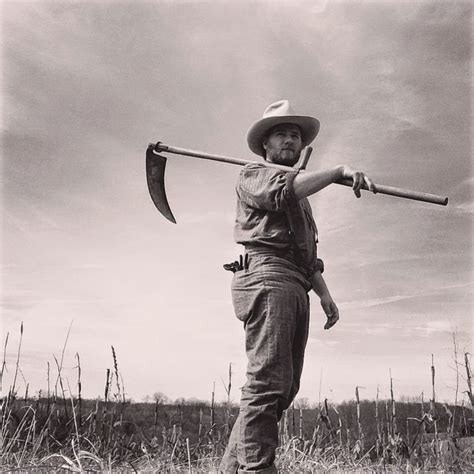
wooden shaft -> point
(381, 189)
(222, 158)
(402, 193)
(305, 154)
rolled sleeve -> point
(266, 188)
(319, 265)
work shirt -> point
(269, 216)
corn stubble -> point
(60, 430)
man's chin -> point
(287, 160)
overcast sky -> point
(87, 85)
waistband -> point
(284, 257)
(266, 251)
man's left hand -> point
(359, 180)
(331, 311)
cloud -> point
(465, 208)
(88, 84)
(205, 218)
(462, 196)
(388, 300)
(431, 327)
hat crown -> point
(278, 113)
(278, 109)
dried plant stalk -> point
(4, 363)
(469, 379)
(79, 391)
(393, 416)
(17, 365)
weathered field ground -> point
(59, 431)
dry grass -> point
(58, 432)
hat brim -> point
(309, 130)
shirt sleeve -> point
(266, 188)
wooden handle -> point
(402, 193)
(305, 157)
(381, 189)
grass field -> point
(61, 431)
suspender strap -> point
(291, 233)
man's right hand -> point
(358, 178)
(332, 313)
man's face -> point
(283, 144)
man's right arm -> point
(310, 182)
(265, 188)
(327, 303)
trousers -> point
(271, 298)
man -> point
(270, 287)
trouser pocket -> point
(248, 288)
(243, 293)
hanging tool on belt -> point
(241, 264)
(156, 163)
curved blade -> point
(155, 176)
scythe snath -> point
(156, 164)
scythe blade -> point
(155, 176)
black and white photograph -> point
(236, 236)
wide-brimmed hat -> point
(278, 113)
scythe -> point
(156, 164)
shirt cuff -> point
(319, 266)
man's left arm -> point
(310, 182)
(328, 304)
